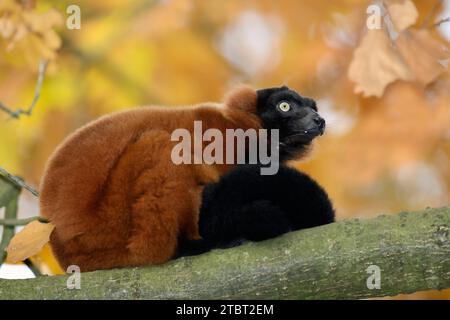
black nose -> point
(320, 122)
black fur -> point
(245, 205)
(297, 127)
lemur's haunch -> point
(117, 199)
(245, 205)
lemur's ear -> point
(243, 97)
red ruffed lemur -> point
(117, 199)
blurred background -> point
(380, 76)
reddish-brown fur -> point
(114, 195)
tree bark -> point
(412, 251)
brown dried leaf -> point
(375, 64)
(403, 13)
(423, 54)
(43, 21)
(29, 241)
(30, 30)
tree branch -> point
(21, 222)
(37, 93)
(411, 249)
(9, 195)
(17, 181)
(438, 23)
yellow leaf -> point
(46, 262)
(403, 13)
(29, 241)
(375, 64)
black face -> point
(294, 116)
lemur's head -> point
(281, 108)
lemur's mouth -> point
(304, 136)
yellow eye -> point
(284, 106)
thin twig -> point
(18, 181)
(37, 92)
(390, 28)
(21, 222)
(438, 23)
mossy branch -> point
(412, 251)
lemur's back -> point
(89, 187)
(114, 194)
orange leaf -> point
(29, 241)
(375, 64)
